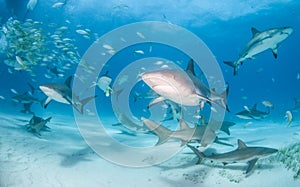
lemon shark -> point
(260, 42)
(242, 154)
(182, 87)
(61, 92)
(184, 134)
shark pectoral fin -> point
(232, 64)
(275, 51)
(48, 100)
(251, 165)
(197, 152)
(156, 100)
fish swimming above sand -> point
(61, 92)
(182, 87)
(261, 41)
(36, 124)
(242, 154)
(252, 113)
(289, 117)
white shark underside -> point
(260, 42)
(61, 92)
(182, 87)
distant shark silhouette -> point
(252, 113)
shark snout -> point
(287, 30)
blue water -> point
(225, 27)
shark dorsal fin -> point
(68, 81)
(254, 107)
(183, 124)
(254, 31)
(190, 67)
(241, 144)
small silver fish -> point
(289, 117)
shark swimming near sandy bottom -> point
(260, 42)
(36, 124)
(184, 134)
(253, 113)
(183, 87)
(61, 92)
(242, 154)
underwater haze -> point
(78, 108)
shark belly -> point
(53, 94)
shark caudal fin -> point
(83, 102)
(232, 64)
(224, 96)
(162, 132)
(200, 155)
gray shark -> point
(36, 124)
(185, 133)
(61, 92)
(242, 154)
(182, 87)
(260, 42)
(252, 113)
(25, 98)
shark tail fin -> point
(224, 96)
(232, 64)
(84, 102)
(198, 153)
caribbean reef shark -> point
(182, 87)
(260, 42)
(185, 133)
(252, 113)
(36, 124)
(242, 154)
(61, 92)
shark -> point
(61, 92)
(182, 87)
(184, 134)
(252, 113)
(242, 154)
(261, 41)
(25, 98)
(36, 124)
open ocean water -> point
(74, 91)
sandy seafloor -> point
(62, 158)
